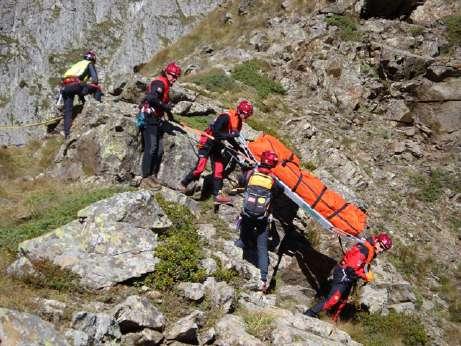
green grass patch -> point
(347, 26)
(453, 30)
(409, 261)
(214, 80)
(254, 74)
(197, 122)
(49, 210)
(393, 329)
(258, 324)
(430, 188)
(179, 251)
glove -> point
(168, 107)
(370, 277)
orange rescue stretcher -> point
(323, 204)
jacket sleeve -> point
(155, 96)
(93, 74)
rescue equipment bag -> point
(332, 206)
(257, 196)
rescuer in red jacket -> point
(226, 127)
(353, 266)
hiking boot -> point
(222, 199)
(149, 183)
(263, 286)
(311, 313)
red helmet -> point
(173, 69)
(385, 240)
(269, 159)
(245, 108)
(90, 55)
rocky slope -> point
(372, 106)
(36, 50)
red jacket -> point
(357, 258)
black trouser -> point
(254, 234)
(68, 93)
(153, 146)
(339, 292)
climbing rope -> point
(45, 122)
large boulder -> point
(23, 329)
(110, 243)
(136, 313)
(100, 328)
(230, 330)
(289, 328)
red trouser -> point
(338, 295)
(214, 153)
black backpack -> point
(257, 196)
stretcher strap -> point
(338, 211)
(319, 197)
(300, 179)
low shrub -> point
(179, 251)
(393, 329)
(53, 277)
(258, 324)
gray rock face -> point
(221, 294)
(105, 249)
(23, 329)
(292, 327)
(185, 329)
(192, 290)
(37, 49)
(100, 328)
(138, 209)
(432, 10)
(137, 313)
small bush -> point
(214, 80)
(454, 30)
(347, 27)
(259, 324)
(179, 253)
(252, 73)
(392, 329)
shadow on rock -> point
(315, 266)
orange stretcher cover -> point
(343, 215)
